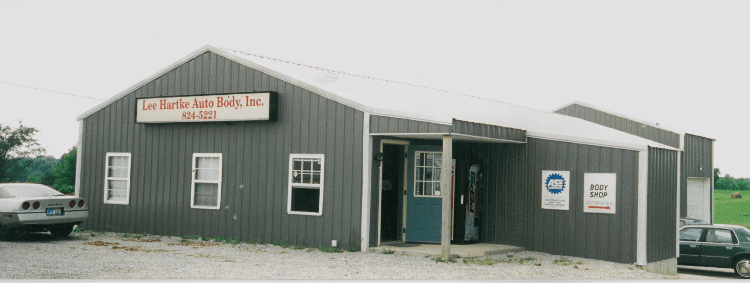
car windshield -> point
(744, 232)
(27, 191)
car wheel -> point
(742, 268)
(62, 230)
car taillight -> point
(80, 203)
(72, 204)
(26, 205)
(36, 205)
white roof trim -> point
(291, 80)
(596, 142)
(439, 135)
(143, 82)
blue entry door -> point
(423, 194)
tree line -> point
(24, 160)
(729, 183)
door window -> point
(719, 236)
(427, 168)
(691, 234)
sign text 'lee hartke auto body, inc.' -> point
(207, 108)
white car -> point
(38, 208)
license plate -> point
(54, 211)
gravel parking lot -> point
(98, 255)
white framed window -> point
(117, 178)
(427, 166)
(205, 191)
(306, 174)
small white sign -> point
(205, 108)
(599, 192)
(556, 190)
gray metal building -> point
(696, 154)
(322, 156)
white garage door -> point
(696, 199)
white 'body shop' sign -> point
(556, 190)
(599, 192)
(207, 108)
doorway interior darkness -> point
(392, 196)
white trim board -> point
(641, 243)
(79, 161)
(380, 186)
(366, 184)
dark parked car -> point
(688, 221)
(716, 245)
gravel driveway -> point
(98, 255)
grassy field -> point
(731, 211)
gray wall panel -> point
(662, 198)
(255, 155)
(632, 127)
(485, 130)
(574, 232)
(697, 154)
(383, 124)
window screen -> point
(206, 180)
(117, 178)
(305, 184)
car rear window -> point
(720, 236)
(744, 232)
(27, 191)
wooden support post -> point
(445, 191)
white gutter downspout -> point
(679, 199)
(78, 159)
(677, 223)
(642, 207)
(366, 183)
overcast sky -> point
(683, 64)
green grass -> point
(731, 211)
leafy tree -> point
(31, 170)
(63, 176)
(17, 146)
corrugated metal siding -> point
(662, 204)
(622, 124)
(255, 155)
(610, 237)
(697, 154)
(386, 125)
(488, 131)
(501, 203)
(510, 198)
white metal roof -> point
(394, 99)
